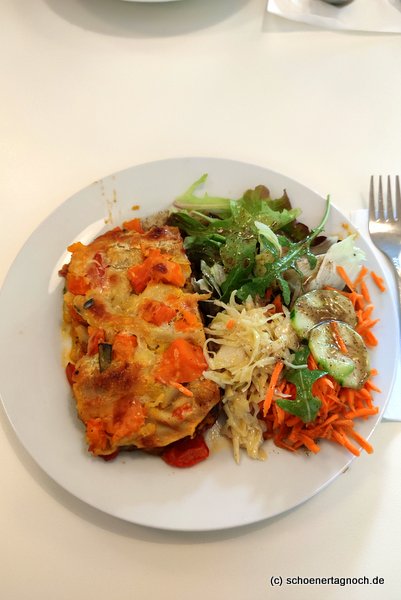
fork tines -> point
(384, 211)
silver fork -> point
(385, 225)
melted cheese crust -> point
(132, 318)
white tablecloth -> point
(93, 86)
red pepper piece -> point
(186, 452)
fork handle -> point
(397, 268)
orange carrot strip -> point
(367, 324)
(361, 440)
(371, 386)
(369, 338)
(367, 312)
(364, 271)
(272, 385)
(361, 412)
(344, 423)
(331, 419)
(337, 337)
(339, 406)
(280, 415)
(378, 281)
(365, 291)
(291, 422)
(312, 363)
(350, 395)
(278, 440)
(365, 394)
(309, 443)
(181, 388)
(327, 382)
(344, 441)
(230, 323)
(278, 305)
(342, 273)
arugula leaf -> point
(235, 279)
(275, 270)
(306, 405)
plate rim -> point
(53, 214)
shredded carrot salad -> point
(340, 407)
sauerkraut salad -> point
(250, 340)
(288, 321)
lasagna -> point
(136, 362)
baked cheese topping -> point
(136, 362)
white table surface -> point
(89, 87)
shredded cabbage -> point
(344, 254)
(250, 340)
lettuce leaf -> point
(232, 233)
(190, 201)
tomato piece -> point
(134, 225)
(97, 271)
(112, 456)
(139, 277)
(157, 312)
(168, 271)
(157, 267)
(96, 436)
(76, 247)
(188, 322)
(181, 362)
(182, 411)
(75, 316)
(128, 419)
(63, 271)
(77, 284)
(96, 337)
(123, 346)
(186, 452)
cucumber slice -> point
(351, 369)
(321, 305)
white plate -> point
(143, 1)
(361, 15)
(217, 493)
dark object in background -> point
(338, 2)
